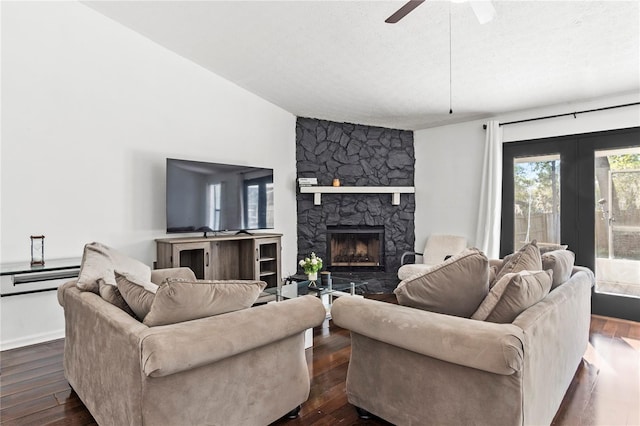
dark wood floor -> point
(605, 390)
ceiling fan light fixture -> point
(483, 10)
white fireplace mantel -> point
(395, 191)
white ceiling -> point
(338, 60)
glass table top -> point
(299, 285)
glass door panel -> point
(617, 224)
(591, 195)
(536, 185)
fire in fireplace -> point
(355, 247)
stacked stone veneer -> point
(359, 156)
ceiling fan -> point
(483, 9)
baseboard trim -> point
(31, 340)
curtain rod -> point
(484, 126)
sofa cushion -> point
(138, 294)
(111, 294)
(561, 263)
(454, 287)
(512, 294)
(179, 300)
(102, 262)
(526, 259)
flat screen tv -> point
(211, 197)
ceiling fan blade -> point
(484, 10)
(403, 11)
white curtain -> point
(490, 207)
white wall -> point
(90, 111)
(449, 159)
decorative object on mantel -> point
(37, 250)
(336, 182)
(311, 265)
(307, 181)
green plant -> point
(311, 264)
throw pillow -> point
(96, 265)
(513, 294)
(526, 259)
(180, 300)
(158, 276)
(123, 264)
(547, 247)
(102, 262)
(138, 294)
(455, 287)
(493, 273)
(111, 294)
(561, 263)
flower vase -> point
(313, 277)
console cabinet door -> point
(196, 256)
(267, 260)
(226, 258)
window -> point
(258, 203)
(536, 185)
(214, 205)
(597, 216)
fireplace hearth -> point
(352, 248)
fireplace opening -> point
(353, 248)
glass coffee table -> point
(326, 288)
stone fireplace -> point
(359, 156)
(355, 248)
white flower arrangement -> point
(311, 264)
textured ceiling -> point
(338, 60)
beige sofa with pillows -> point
(478, 342)
(159, 347)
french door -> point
(582, 191)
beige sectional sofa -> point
(245, 367)
(415, 367)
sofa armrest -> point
(590, 275)
(63, 288)
(496, 348)
(179, 347)
(159, 275)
